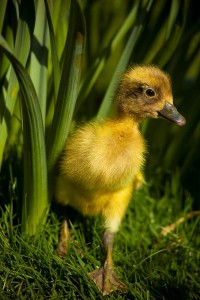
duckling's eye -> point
(150, 92)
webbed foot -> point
(106, 280)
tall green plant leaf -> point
(175, 6)
(54, 54)
(11, 85)
(3, 4)
(69, 87)
(39, 56)
(121, 66)
(35, 171)
(99, 63)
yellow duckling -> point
(102, 161)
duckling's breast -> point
(103, 156)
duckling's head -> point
(145, 92)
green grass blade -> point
(69, 86)
(39, 56)
(10, 94)
(3, 4)
(178, 25)
(121, 66)
(7, 107)
(54, 52)
(4, 63)
(168, 49)
(35, 201)
(60, 18)
(175, 6)
(100, 61)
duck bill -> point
(170, 113)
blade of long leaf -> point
(3, 4)
(9, 36)
(121, 66)
(123, 62)
(99, 63)
(69, 86)
(35, 200)
(54, 52)
(175, 6)
(171, 44)
(39, 56)
(10, 94)
(168, 49)
(60, 19)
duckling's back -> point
(100, 158)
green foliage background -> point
(67, 57)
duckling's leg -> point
(113, 213)
(62, 247)
(105, 277)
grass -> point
(151, 265)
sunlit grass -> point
(152, 266)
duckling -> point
(102, 162)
